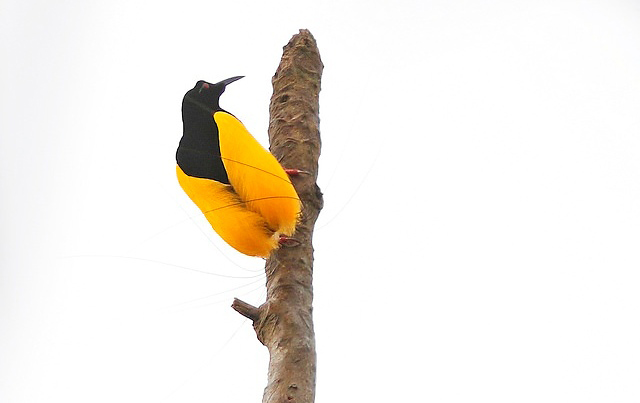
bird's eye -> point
(203, 86)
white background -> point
(481, 172)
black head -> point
(206, 95)
(198, 154)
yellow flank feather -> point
(260, 204)
(243, 229)
(256, 176)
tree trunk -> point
(284, 322)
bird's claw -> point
(295, 172)
(288, 241)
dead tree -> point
(284, 322)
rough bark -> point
(284, 322)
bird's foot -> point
(288, 241)
(295, 172)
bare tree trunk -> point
(284, 322)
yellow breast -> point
(258, 206)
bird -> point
(240, 187)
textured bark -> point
(284, 322)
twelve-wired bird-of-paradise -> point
(240, 187)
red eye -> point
(205, 86)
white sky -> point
(481, 173)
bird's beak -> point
(229, 80)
